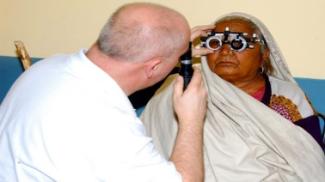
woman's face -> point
(231, 65)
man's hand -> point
(200, 31)
(190, 105)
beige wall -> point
(57, 26)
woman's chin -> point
(229, 76)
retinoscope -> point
(186, 66)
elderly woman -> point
(254, 107)
(244, 62)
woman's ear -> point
(266, 53)
(151, 67)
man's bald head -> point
(141, 31)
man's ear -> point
(151, 66)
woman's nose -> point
(225, 49)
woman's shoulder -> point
(283, 86)
(290, 93)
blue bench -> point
(10, 69)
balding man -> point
(68, 117)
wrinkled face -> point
(231, 65)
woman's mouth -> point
(231, 63)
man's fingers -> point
(196, 79)
(200, 31)
(178, 86)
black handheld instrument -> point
(186, 66)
